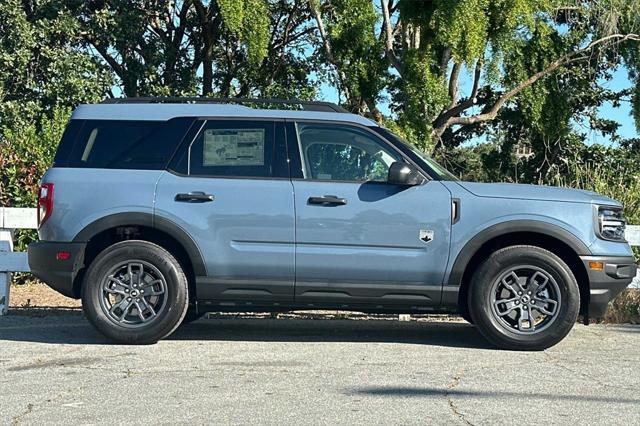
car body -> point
(280, 209)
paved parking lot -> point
(57, 369)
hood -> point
(536, 192)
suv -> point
(159, 210)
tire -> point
(466, 316)
(532, 309)
(192, 316)
(113, 293)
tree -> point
(42, 66)
(224, 48)
(508, 48)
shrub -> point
(27, 150)
(625, 308)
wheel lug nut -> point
(529, 293)
(519, 293)
(128, 299)
(137, 300)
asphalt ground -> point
(55, 369)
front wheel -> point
(135, 292)
(524, 298)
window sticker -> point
(233, 147)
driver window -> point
(342, 153)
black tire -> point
(493, 280)
(466, 316)
(157, 271)
(192, 316)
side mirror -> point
(404, 174)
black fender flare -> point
(149, 220)
(510, 227)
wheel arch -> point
(551, 237)
(122, 226)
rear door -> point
(229, 188)
(359, 239)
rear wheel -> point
(135, 292)
(524, 298)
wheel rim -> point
(133, 294)
(525, 299)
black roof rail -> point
(305, 105)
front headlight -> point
(611, 223)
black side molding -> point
(150, 221)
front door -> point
(230, 190)
(360, 240)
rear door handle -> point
(194, 197)
(327, 200)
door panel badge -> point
(426, 235)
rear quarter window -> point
(120, 144)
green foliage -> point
(40, 65)
(356, 48)
(25, 154)
(614, 172)
(250, 20)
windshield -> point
(429, 162)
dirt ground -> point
(36, 294)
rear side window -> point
(66, 143)
(123, 144)
(234, 149)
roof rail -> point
(305, 105)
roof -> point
(167, 111)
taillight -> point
(45, 202)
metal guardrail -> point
(12, 218)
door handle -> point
(194, 197)
(327, 200)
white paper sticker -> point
(233, 147)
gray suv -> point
(156, 211)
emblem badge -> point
(426, 235)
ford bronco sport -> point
(156, 211)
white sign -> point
(632, 234)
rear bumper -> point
(607, 283)
(60, 275)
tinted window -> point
(331, 152)
(66, 143)
(234, 149)
(127, 144)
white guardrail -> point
(12, 218)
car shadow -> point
(70, 327)
(426, 392)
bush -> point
(27, 150)
(625, 308)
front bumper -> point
(605, 284)
(59, 274)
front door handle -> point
(194, 197)
(327, 200)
